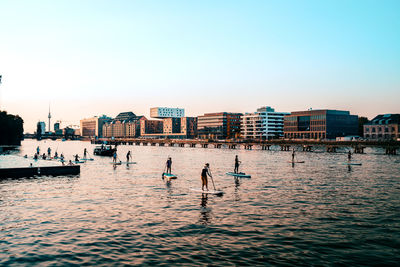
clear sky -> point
(104, 57)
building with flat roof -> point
(264, 124)
(93, 127)
(163, 112)
(220, 125)
(383, 127)
(320, 124)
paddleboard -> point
(116, 163)
(240, 174)
(296, 161)
(352, 163)
(169, 176)
(213, 192)
(87, 159)
(74, 161)
(128, 162)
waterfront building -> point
(383, 127)
(320, 124)
(265, 123)
(171, 125)
(163, 112)
(126, 124)
(189, 126)
(93, 127)
(220, 125)
(151, 127)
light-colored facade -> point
(383, 127)
(263, 124)
(163, 112)
(93, 126)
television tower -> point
(49, 119)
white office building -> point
(160, 112)
(263, 124)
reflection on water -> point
(205, 212)
(318, 212)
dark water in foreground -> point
(318, 213)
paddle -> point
(162, 175)
(209, 170)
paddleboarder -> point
(49, 152)
(84, 153)
(56, 154)
(349, 155)
(38, 150)
(204, 173)
(237, 163)
(115, 157)
(293, 155)
(169, 165)
(76, 158)
(128, 156)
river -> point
(321, 212)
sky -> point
(88, 58)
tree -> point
(11, 130)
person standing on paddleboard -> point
(204, 173)
(169, 165)
(128, 156)
(349, 155)
(293, 154)
(84, 153)
(49, 152)
(115, 157)
(237, 163)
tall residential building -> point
(41, 126)
(383, 127)
(320, 124)
(220, 125)
(162, 112)
(93, 127)
(263, 124)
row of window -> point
(380, 129)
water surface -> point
(320, 212)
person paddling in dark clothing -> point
(237, 163)
(84, 153)
(204, 173)
(169, 165)
(76, 158)
(349, 155)
(128, 156)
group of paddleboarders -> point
(205, 172)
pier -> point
(358, 147)
(6, 173)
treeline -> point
(11, 129)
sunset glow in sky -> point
(103, 57)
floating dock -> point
(6, 173)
